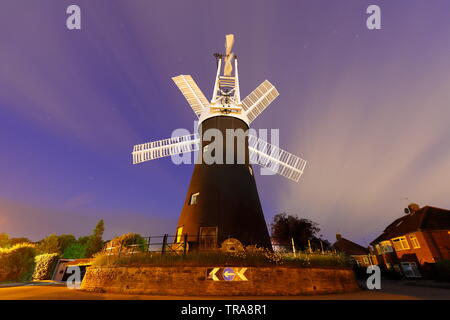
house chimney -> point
(413, 207)
(338, 236)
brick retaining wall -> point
(192, 281)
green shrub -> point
(45, 265)
(443, 270)
(128, 242)
(49, 244)
(75, 251)
(4, 240)
(251, 258)
(17, 262)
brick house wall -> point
(386, 259)
(419, 255)
(360, 260)
(439, 243)
(415, 241)
(434, 246)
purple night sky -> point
(369, 110)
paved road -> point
(48, 291)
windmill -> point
(222, 201)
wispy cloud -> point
(368, 152)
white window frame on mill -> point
(179, 234)
(194, 198)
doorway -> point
(207, 238)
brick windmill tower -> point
(222, 200)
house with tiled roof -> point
(361, 255)
(415, 241)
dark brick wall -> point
(192, 281)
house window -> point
(404, 242)
(194, 198)
(410, 270)
(366, 260)
(400, 243)
(414, 241)
(397, 244)
(377, 247)
(179, 234)
(386, 247)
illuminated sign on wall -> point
(226, 274)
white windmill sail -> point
(255, 103)
(229, 42)
(165, 148)
(275, 159)
(192, 93)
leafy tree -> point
(95, 242)
(83, 240)
(49, 244)
(64, 241)
(286, 227)
(14, 241)
(75, 250)
(55, 244)
(4, 240)
(127, 242)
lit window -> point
(397, 244)
(414, 241)
(400, 243)
(251, 170)
(179, 234)
(377, 247)
(366, 260)
(404, 242)
(386, 247)
(194, 198)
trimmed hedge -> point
(17, 262)
(45, 265)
